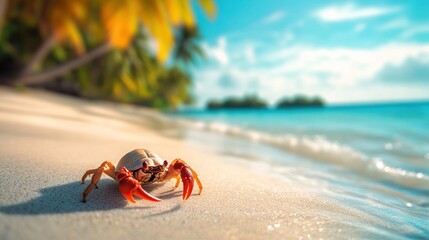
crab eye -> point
(144, 167)
(165, 163)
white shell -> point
(134, 159)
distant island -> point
(253, 101)
(248, 101)
(300, 101)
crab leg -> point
(128, 186)
(177, 182)
(106, 167)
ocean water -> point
(373, 159)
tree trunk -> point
(50, 74)
(3, 7)
(39, 56)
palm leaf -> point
(209, 7)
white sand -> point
(47, 142)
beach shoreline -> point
(48, 141)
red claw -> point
(188, 182)
(129, 186)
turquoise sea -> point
(371, 158)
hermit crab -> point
(142, 167)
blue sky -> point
(344, 51)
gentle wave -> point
(320, 149)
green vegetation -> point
(100, 49)
(131, 76)
(253, 101)
(248, 101)
(300, 101)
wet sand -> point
(47, 141)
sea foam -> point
(318, 148)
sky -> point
(344, 51)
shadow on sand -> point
(66, 199)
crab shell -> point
(134, 159)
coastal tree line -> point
(253, 101)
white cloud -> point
(218, 52)
(274, 17)
(394, 24)
(217, 83)
(409, 29)
(360, 27)
(341, 67)
(338, 74)
(417, 29)
(286, 38)
(249, 54)
(411, 71)
(349, 11)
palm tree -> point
(92, 29)
(188, 48)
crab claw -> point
(128, 186)
(188, 182)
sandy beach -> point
(48, 141)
